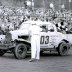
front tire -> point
(20, 51)
(63, 48)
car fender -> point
(23, 41)
(61, 37)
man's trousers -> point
(35, 46)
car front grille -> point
(8, 38)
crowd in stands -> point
(12, 17)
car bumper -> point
(7, 45)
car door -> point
(54, 36)
(46, 40)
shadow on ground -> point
(43, 55)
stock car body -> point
(18, 41)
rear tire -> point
(63, 48)
(20, 51)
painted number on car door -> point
(44, 40)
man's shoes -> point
(32, 60)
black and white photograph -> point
(35, 35)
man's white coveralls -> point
(35, 41)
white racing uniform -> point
(35, 41)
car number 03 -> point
(44, 40)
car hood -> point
(20, 32)
(17, 33)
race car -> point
(19, 41)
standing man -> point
(35, 42)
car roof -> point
(38, 22)
(31, 22)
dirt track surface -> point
(49, 62)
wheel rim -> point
(21, 51)
(64, 49)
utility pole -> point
(32, 4)
(43, 7)
(69, 5)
